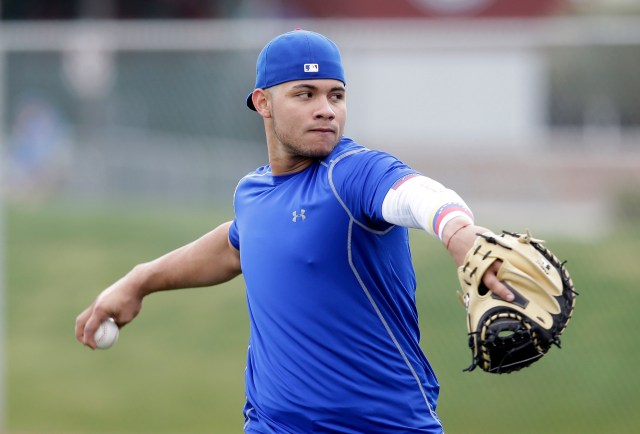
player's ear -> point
(262, 102)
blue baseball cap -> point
(297, 55)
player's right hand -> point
(119, 301)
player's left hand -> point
(508, 335)
(459, 240)
(491, 281)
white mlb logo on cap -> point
(311, 67)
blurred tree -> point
(39, 10)
(118, 9)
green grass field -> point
(179, 367)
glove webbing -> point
(484, 350)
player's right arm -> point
(207, 261)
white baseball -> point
(107, 334)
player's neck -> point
(283, 159)
(287, 165)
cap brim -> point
(250, 102)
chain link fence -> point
(154, 112)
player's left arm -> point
(423, 203)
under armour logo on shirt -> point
(297, 216)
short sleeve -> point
(234, 235)
(364, 179)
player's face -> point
(308, 117)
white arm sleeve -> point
(421, 202)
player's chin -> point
(321, 145)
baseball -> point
(107, 334)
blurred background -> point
(124, 130)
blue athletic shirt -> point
(334, 338)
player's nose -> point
(324, 110)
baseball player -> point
(320, 236)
